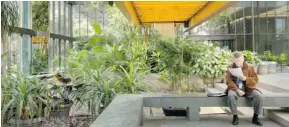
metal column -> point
(26, 41)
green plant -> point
(282, 58)
(99, 89)
(181, 58)
(25, 97)
(251, 57)
(9, 17)
(104, 67)
(132, 78)
(39, 60)
(167, 55)
(211, 62)
(40, 15)
(59, 92)
(269, 56)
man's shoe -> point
(256, 120)
(235, 120)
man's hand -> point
(244, 78)
(240, 92)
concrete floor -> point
(275, 81)
(221, 120)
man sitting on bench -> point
(243, 86)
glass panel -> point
(281, 17)
(50, 54)
(262, 27)
(248, 16)
(256, 17)
(240, 42)
(239, 18)
(75, 15)
(230, 20)
(261, 45)
(249, 42)
(287, 15)
(281, 44)
(67, 19)
(256, 38)
(83, 21)
(56, 16)
(39, 58)
(55, 54)
(14, 50)
(61, 18)
(271, 41)
(90, 29)
(66, 50)
(50, 16)
(203, 29)
(271, 5)
(63, 53)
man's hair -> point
(237, 54)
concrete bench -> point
(194, 102)
(127, 110)
(123, 111)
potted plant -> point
(26, 98)
(268, 64)
(271, 61)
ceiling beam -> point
(128, 10)
(208, 11)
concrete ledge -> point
(123, 111)
(127, 110)
(277, 82)
(222, 87)
(270, 100)
(279, 116)
(272, 87)
(193, 103)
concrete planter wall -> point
(61, 111)
(272, 67)
(262, 69)
(267, 67)
(212, 81)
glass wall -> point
(86, 13)
(256, 25)
(16, 47)
(69, 21)
(60, 25)
(13, 43)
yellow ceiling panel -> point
(167, 8)
(193, 12)
(168, 2)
